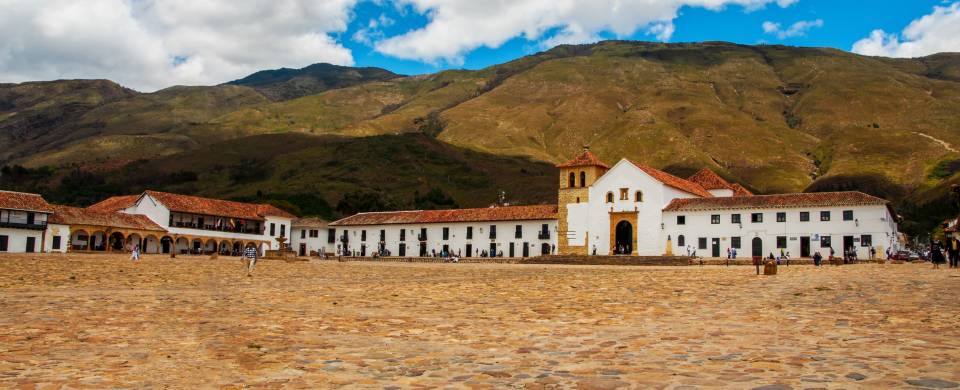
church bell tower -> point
(576, 177)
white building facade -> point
(507, 231)
(23, 222)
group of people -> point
(941, 253)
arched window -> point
(638, 196)
(583, 179)
(610, 197)
(572, 182)
(681, 241)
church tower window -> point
(583, 179)
(610, 197)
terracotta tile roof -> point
(813, 199)
(217, 207)
(709, 180)
(66, 215)
(24, 202)
(585, 159)
(673, 181)
(508, 213)
(739, 190)
(114, 203)
(310, 222)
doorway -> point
(31, 244)
(469, 250)
(804, 246)
(511, 250)
(303, 249)
(402, 250)
(756, 247)
(847, 243)
(526, 250)
(544, 249)
(624, 238)
(715, 247)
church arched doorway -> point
(624, 238)
(756, 247)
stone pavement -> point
(96, 321)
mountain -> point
(285, 83)
(775, 118)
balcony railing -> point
(544, 235)
(227, 229)
(23, 225)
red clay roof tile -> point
(585, 159)
(709, 180)
(812, 199)
(673, 181)
(114, 203)
(24, 201)
(507, 213)
(217, 207)
(66, 215)
(739, 190)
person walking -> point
(135, 253)
(250, 259)
(817, 258)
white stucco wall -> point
(56, 230)
(17, 239)
(868, 220)
(315, 244)
(456, 240)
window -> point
(848, 215)
(804, 216)
(363, 235)
(572, 181)
(609, 197)
(3, 243)
(681, 240)
(702, 243)
(735, 242)
(273, 229)
(423, 234)
(303, 234)
(403, 234)
(331, 236)
(715, 219)
(469, 232)
(824, 215)
(383, 235)
(825, 241)
(283, 230)
(638, 196)
(623, 194)
(446, 233)
(56, 242)
(681, 220)
(756, 217)
(519, 232)
(493, 232)
(781, 217)
(865, 240)
(781, 242)
(734, 218)
(314, 233)
(583, 179)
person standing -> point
(135, 253)
(250, 259)
(817, 258)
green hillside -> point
(775, 118)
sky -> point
(148, 45)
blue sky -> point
(153, 44)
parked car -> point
(905, 256)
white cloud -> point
(797, 29)
(457, 27)
(151, 44)
(934, 33)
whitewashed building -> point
(23, 222)
(312, 236)
(508, 231)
